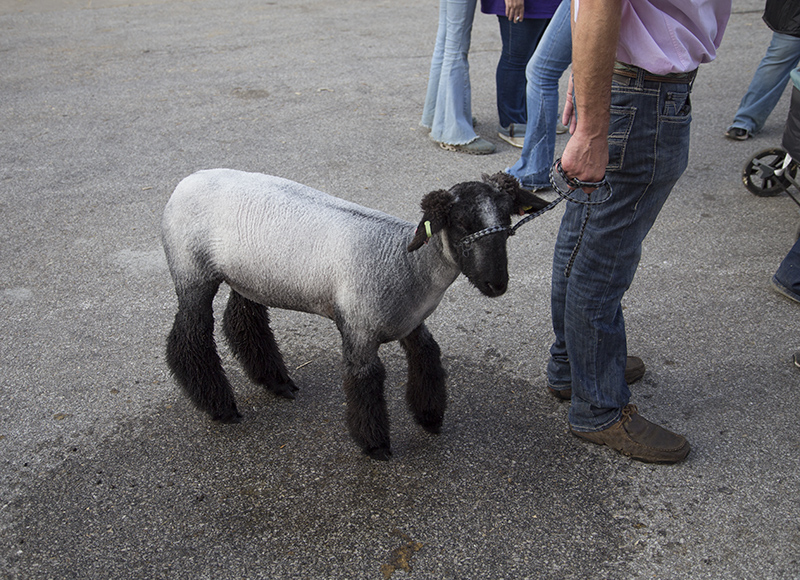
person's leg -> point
(642, 171)
(434, 77)
(787, 279)
(559, 373)
(452, 119)
(550, 59)
(519, 43)
(768, 84)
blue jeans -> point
(448, 101)
(788, 274)
(768, 83)
(552, 57)
(519, 42)
(648, 152)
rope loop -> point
(565, 186)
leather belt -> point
(629, 71)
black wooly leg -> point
(367, 418)
(192, 354)
(246, 326)
(426, 393)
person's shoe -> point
(634, 370)
(536, 189)
(638, 438)
(785, 291)
(796, 358)
(514, 134)
(561, 128)
(563, 394)
(737, 134)
(478, 146)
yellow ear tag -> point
(428, 229)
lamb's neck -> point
(436, 264)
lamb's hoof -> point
(431, 424)
(285, 390)
(433, 428)
(379, 453)
(228, 417)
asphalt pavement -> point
(106, 470)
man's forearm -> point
(595, 33)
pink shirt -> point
(671, 36)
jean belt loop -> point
(640, 74)
(692, 76)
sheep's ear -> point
(524, 200)
(436, 209)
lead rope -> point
(564, 186)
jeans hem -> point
(532, 186)
(739, 126)
(559, 387)
(460, 143)
(785, 290)
(527, 184)
(602, 427)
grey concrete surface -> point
(106, 471)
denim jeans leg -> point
(552, 57)
(559, 374)
(788, 274)
(435, 74)
(768, 84)
(448, 102)
(648, 151)
(519, 41)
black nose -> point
(496, 288)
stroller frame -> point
(773, 171)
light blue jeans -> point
(648, 152)
(552, 57)
(448, 101)
(768, 84)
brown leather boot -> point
(634, 370)
(638, 438)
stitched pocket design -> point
(619, 130)
(677, 105)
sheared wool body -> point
(281, 244)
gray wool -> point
(286, 245)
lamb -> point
(280, 244)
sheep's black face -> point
(471, 207)
(485, 261)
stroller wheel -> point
(759, 174)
